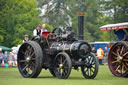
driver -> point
(120, 34)
(37, 31)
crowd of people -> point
(8, 59)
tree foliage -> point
(97, 13)
(64, 13)
(18, 17)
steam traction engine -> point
(118, 53)
(59, 52)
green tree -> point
(64, 12)
(116, 9)
(18, 17)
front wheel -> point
(62, 65)
(52, 72)
(90, 69)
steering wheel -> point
(57, 30)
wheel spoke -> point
(125, 66)
(58, 59)
(115, 57)
(87, 72)
(117, 67)
(33, 58)
(26, 53)
(91, 70)
(125, 59)
(85, 69)
(65, 67)
(115, 62)
(93, 63)
(114, 54)
(91, 60)
(118, 53)
(64, 61)
(32, 54)
(63, 72)
(121, 50)
(124, 54)
(120, 69)
(30, 50)
(25, 67)
(22, 61)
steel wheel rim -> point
(90, 66)
(61, 66)
(27, 60)
(118, 60)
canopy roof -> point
(117, 26)
(5, 48)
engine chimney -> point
(81, 26)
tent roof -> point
(117, 26)
(5, 48)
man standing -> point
(43, 28)
(100, 54)
(37, 31)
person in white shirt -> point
(43, 28)
(37, 31)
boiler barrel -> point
(75, 49)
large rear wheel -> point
(118, 59)
(30, 59)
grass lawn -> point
(11, 76)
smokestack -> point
(81, 26)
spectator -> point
(26, 38)
(37, 31)
(100, 54)
(93, 50)
(43, 28)
(106, 52)
(106, 55)
(11, 58)
(15, 58)
(2, 58)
